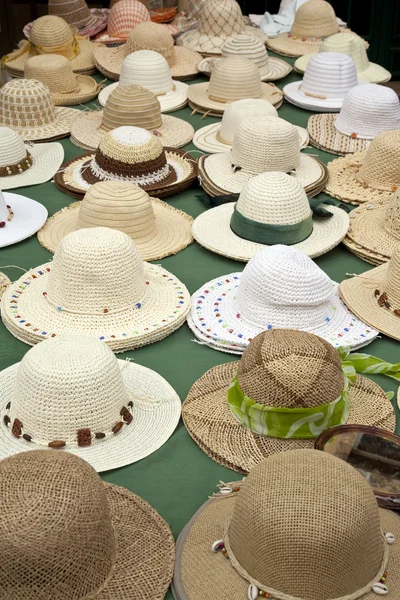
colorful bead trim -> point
(22, 166)
(10, 217)
(303, 38)
(383, 301)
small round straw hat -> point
(272, 208)
(130, 105)
(110, 412)
(156, 228)
(367, 176)
(367, 110)
(89, 537)
(123, 17)
(52, 35)
(134, 155)
(282, 288)
(20, 217)
(22, 164)
(76, 12)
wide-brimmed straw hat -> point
(272, 208)
(26, 164)
(4, 283)
(110, 412)
(52, 35)
(156, 228)
(26, 106)
(367, 176)
(367, 110)
(96, 285)
(122, 18)
(76, 12)
(82, 538)
(130, 105)
(20, 217)
(280, 288)
(134, 155)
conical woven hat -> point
(123, 17)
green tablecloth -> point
(179, 477)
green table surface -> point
(179, 477)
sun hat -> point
(76, 12)
(52, 35)
(80, 537)
(20, 217)
(367, 110)
(26, 164)
(96, 285)
(150, 70)
(129, 154)
(157, 229)
(367, 176)
(4, 283)
(135, 106)
(122, 18)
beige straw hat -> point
(52, 35)
(26, 106)
(20, 217)
(110, 412)
(157, 229)
(367, 176)
(76, 12)
(82, 538)
(123, 17)
(96, 285)
(130, 105)
(4, 283)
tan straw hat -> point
(96, 285)
(76, 12)
(52, 35)
(130, 105)
(82, 538)
(367, 176)
(156, 228)
(123, 17)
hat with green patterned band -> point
(288, 387)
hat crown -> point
(56, 529)
(234, 78)
(131, 105)
(248, 47)
(392, 219)
(329, 74)
(75, 12)
(380, 168)
(322, 518)
(315, 18)
(240, 109)
(50, 31)
(148, 69)
(391, 284)
(12, 147)
(152, 36)
(221, 18)
(124, 16)
(54, 70)
(26, 103)
(350, 44)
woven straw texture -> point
(4, 283)
(100, 14)
(123, 17)
(28, 217)
(77, 12)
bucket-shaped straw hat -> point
(20, 217)
(96, 285)
(122, 18)
(76, 12)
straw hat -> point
(259, 145)
(367, 176)
(286, 373)
(367, 110)
(76, 12)
(134, 155)
(20, 217)
(56, 73)
(328, 78)
(353, 46)
(96, 285)
(22, 164)
(79, 537)
(4, 283)
(130, 105)
(272, 208)
(157, 228)
(150, 70)
(280, 288)
(123, 17)
(52, 35)
(81, 390)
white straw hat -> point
(110, 412)
(96, 285)
(271, 207)
(20, 217)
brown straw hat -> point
(304, 525)
(76, 12)
(78, 537)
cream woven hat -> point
(26, 164)
(110, 412)
(130, 105)
(26, 106)
(156, 228)
(150, 70)
(76, 12)
(353, 46)
(96, 285)
(80, 530)
(280, 288)
(52, 35)
(367, 176)
(123, 17)
(272, 208)
(20, 217)
(367, 110)
(4, 283)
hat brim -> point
(4, 283)
(54, 131)
(293, 94)
(198, 95)
(29, 217)
(174, 100)
(46, 160)
(367, 230)
(88, 88)
(211, 45)
(277, 68)
(363, 254)
(324, 135)
(106, 38)
(373, 74)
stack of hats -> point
(89, 22)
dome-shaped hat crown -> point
(26, 103)
(315, 18)
(53, 70)
(148, 69)
(131, 105)
(248, 47)
(124, 16)
(221, 18)
(152, 36)
(350, 44)
(380, 169)
(392, 218)
(75, 12)
(329, 75)
(240, 109)
(234, 78)
(50, 31)
(12, 148)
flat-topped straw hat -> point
(80, 531)
(123, 17)
(76, 12)
(134, 155)
(20, 217)
(135, 106)
(97, 285)
(367, 110)
(52, 35)
(26, 106)
(279, 288)
(156, 228)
